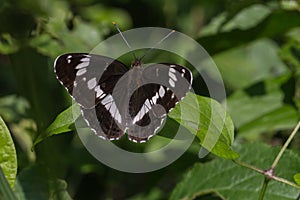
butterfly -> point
(115, 99)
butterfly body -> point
(115, 99)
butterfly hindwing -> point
(102, 122)
(150, 103)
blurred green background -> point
(255, 44)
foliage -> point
(236, 182)
(256, 47)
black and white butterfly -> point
(115, 99)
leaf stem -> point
(263, 189)
(286, 144)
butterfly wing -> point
(150, 103)
(90, 80)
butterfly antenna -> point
(128, 45)
(157, 43)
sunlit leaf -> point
(297, 178)
(5, 190)
(8, 157)
(209, 121)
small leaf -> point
(209, 121)
(8, 157)
(297, 178)
(7, 44)
(62, 123)
(231, 181)
(35, 182)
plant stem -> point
(286, 144)
(269, 176)
(282, 180)
(263, 189)
(249, 166)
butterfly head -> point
(137, 63)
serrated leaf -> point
(8, 157)
(62, 123)
(231, 181)
(297, 178)
(209, 121)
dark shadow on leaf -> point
(289, 88)
(258, 89)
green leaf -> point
(62, 123)
(8, 157)
(36, 183)
(155, 193)
(282, 118)
(297, 178)
(83, 37)
(242, 18)
(231, 181)
(106, 15)
(7, 44)
(269, 27)
(13, 107)
(256, 100)
(248, 64)
(215, 128)
(290, 53)
(5, 190)
(245, 16)
(209, 121)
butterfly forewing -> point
(82, 74)
(90, 80)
